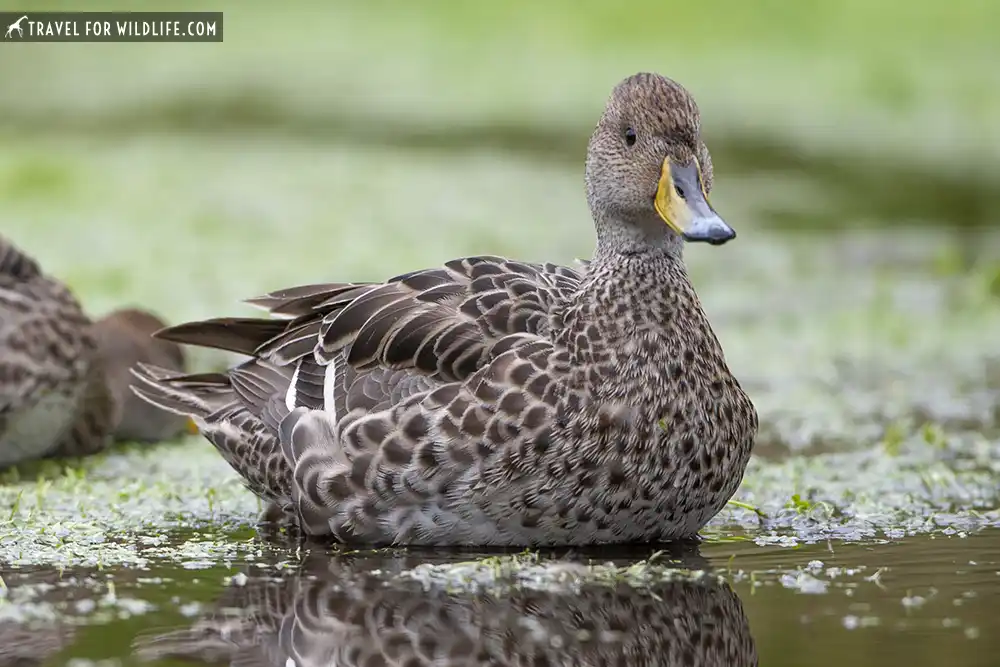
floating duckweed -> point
(82, 514)
(939, 483)
(893, 438)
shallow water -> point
(919, 601)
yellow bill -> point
(682, 202)
(191, 427)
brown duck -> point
(497, 402)
(63, 379)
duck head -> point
(649, 174)
(124, 338)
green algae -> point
(113, 509)
(936, 487)
(88, 516)
(746, 506)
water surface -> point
(919, 601)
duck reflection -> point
(28, 646)
(342, 611)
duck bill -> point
(191, 427)
(690, 215)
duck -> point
(493, 402)
(63, 389)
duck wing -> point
(369, 345)
(439, 322)
(420, 376)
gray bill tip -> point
(709, 229)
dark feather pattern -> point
(297, 301)
(16, 265)
(242, 437)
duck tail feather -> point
(154, 386)
(242, 335)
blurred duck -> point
(125, 338)
(497, 402)
(63, 380)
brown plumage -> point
(63, 390)
(342, 616)
(496, 402)
(125, 338)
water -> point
(919, 601)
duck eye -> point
(629, 136)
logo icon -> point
(16, 25)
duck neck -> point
(648, 284)
(649, 238)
